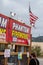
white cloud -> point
(5, 2)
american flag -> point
(33, 18)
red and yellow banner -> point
(19, 32)
(13, 31)
(3, 28)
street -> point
(41, 61)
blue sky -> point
(21, 8)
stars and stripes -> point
(33, 18)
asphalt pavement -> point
(41, 61)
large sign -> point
(19, 32)
(3, 28)
(13, 31)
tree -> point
(36, 49)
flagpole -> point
(29, 14)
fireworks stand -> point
(15, 41)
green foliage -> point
(36, 49)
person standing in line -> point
(34, 60)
